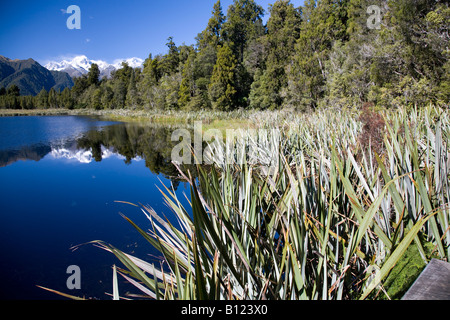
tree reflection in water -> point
(150, 142)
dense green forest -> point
(324, 53)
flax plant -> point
(328, 220)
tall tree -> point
(149, 81)
(243, 27)
(150, 70)
(222, 90)
(188, 86)
(66, 99)
(203, 70)
(123, 74)
(42, 99)
(119, 89)
(13, 90)
(79, 87)
(132, 100)
(95, 99)
(212, 35)
(322, 24)
(283, 30)
(169, 63)
(52, 98)
(93, 77)
(244, 23)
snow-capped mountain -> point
(72, 153)
(81, 156)
(80, 65)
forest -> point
(324, 53)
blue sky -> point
(110, 29)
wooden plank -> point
(432, 284)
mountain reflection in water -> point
(128, 141)
(63, 182)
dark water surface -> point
(59, 180)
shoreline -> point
(210, 118)
(116, 114)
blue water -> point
(55, 194)
(24, 131)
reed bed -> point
(327, 218)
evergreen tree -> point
(150, 70)
(52, 98)
(132, 98)
(42, 99)
(422, 26)
(149, 81)
(322, 24)
(96, 96)
(169, 63)
(93, 77)
(119, 89)
(244, 23)
(13, 90)
(188, 86)
(320, 54)
(168, 91)
(80, 85)
(107, 97)
(199, 68)
(212, 35)
(123, 74)
(203, 69)
(221, 89)
(241, 29)
(283, 30)
(66, 99)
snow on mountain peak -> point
(80, 65)
(132, 62)
(81, 61)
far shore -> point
(122, 113)
(209, 118)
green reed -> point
(344, 200)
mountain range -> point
(31, 77)
(80, 65)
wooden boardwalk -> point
(432, 284)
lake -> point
(60, 179)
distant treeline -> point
(324, 53)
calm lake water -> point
(59, 180)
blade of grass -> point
(115, 285)
(65, 295)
